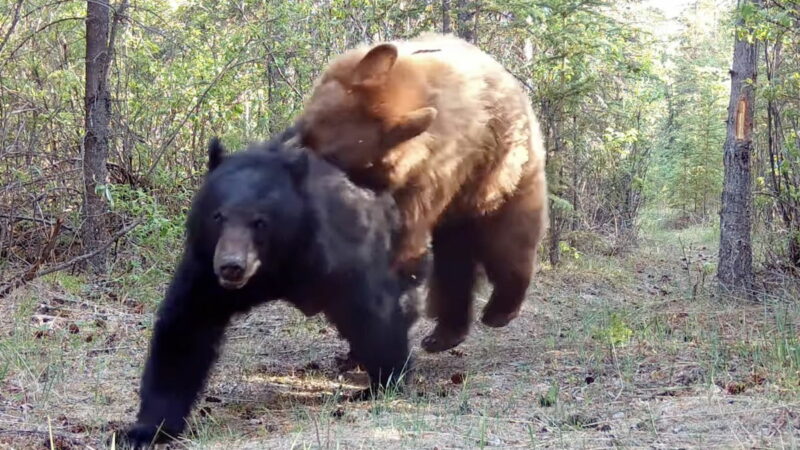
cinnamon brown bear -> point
(451, 133)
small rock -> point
(457, 378)
(618, 416)
(689, 376)
(735, 388)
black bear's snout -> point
(232, 271)
(235, 258)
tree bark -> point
(466, 12)
(735, 271)
(95, 145)
(446, 16)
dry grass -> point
(628, 351)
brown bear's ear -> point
(410, 125)
(373, 69)
(216, 153)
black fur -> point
(326, 249)
(215, 153)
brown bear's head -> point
(363, 106)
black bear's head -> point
(251, 215)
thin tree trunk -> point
(735, 271)
(95, 145)
(574, 225)
(466, 18)
(781, 185)
(13, 25)
(551, 119)
(446, 16)
(272, 97)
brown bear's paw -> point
(442, 339)
(498, 319)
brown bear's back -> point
(486, 138)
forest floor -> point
(610, 351)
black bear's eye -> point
(260, 224)
(218, 217)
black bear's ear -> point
(298, 165)
(216, 153)
(291, 134)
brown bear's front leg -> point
(420, 206)
(410, 252)
(452, 281)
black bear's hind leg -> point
(373, 323)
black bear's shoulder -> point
(356, 225)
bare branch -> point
(230, 65)
(13, 25)
(30, 275)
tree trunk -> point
(272, 97)
(550, 121)
(467, 10)
(735, 271)
(446, 16)
(95, 145)
(576, 173)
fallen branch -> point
(34, 272)
(46, 250)
(33, 219)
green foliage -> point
(688, 169)
(568, 250)
(550, 398)
(631, 114)
(152, 249)
(776, 28)
(615, 333)
(69, 283)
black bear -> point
(274, 222)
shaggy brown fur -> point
(451, 133)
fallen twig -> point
(34, 273)
(46, 250)
(33, 219)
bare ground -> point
(625, 351)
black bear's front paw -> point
(143, 436)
